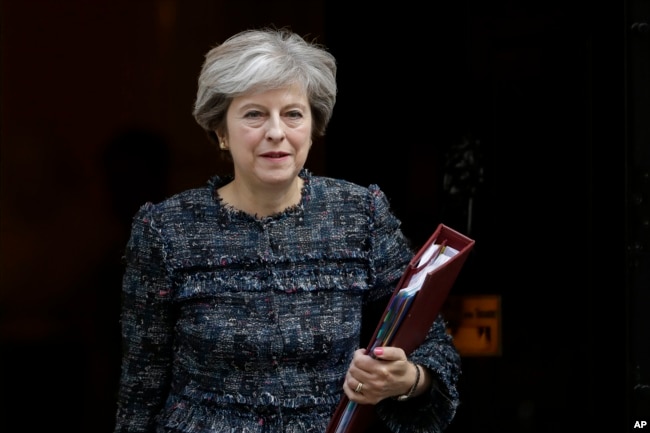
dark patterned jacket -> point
(232, 323)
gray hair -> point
(260, 60)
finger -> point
(354, 389)
(354, 384)
(389, 353)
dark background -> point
(553, 101)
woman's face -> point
(269, 136)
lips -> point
(275, 154)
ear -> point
(221, 134)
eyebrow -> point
(249, 105)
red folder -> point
(423, 308)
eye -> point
(294, 114)
(253, 114)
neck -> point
(261, 202)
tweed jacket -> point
(233, 323)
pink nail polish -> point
(379, 351)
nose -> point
(274, 130)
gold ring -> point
(358, 388)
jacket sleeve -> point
(431, 412)
(147, 322)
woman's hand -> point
(388, 374)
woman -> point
(246, 301)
